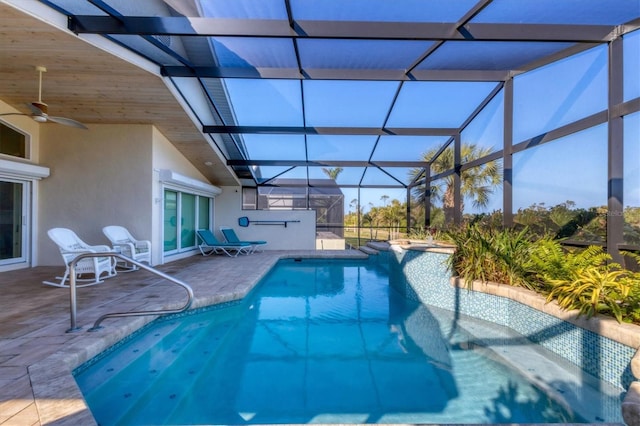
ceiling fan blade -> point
(67, 122)
(14, 113)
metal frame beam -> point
(576, 126)
(328, 185)
(457, 181)
(282, 28)
(496, 155)
(336, 163)
(304, 130)
(582, 37)
(507, 156)
(615, 190)
(334, 74)
(427, 198)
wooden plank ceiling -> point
(92, 86)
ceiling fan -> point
(40, 110)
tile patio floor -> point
(37, 354)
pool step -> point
(368, 250)
(379, 245)
(374, 247)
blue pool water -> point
(324, 342)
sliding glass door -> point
(188, 220)
(170, 221)
(13, 221)
(184, 213)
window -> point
(12, 142)
(249, 198)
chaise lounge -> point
(231, 237)
(209, 244)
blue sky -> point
(571, 168)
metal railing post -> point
(73, 298)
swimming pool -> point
(329, 342)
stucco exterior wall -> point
(166, 156)
(99, 177)
(109, 175)
(296, 236)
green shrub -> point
(470, 259)
(592, 290)
(631, 306)
(587, 280)
(492, 255)
(551, 261)
(583, 279)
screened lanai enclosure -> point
(423, 113)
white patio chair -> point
(124, 243)
(71, 246)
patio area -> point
(37, 354)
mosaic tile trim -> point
(425, 277)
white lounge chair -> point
(124, 243)
(71, 246)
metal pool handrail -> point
(96, 325)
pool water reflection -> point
(315, 342)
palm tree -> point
(332, 172)
(354, 204)
(477, 183)
(375, 215)
(395, 215)
(368, 218)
